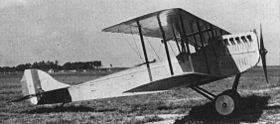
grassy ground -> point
(261, 103)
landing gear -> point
(226, 103)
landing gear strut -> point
(226, 103)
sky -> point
(70, 30)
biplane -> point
(206, 53)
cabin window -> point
(244, 39)
(249, 38)
(231, 41)
(238, 40)
(226, 42)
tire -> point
(227, 103)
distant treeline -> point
(48, 65)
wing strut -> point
(212, 31)
(176, 40)
(165, 45)
(144, 50)
(196, 44)
(203, 47)
(183, 37)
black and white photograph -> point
(139, 61)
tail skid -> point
(40, 86)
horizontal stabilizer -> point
(23, 98)
(49, 97)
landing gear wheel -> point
(227, 103)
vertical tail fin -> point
(36, 82)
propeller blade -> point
(263, 53)
(264, 68)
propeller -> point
(263, 52)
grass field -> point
(261, 103)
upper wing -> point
(171, 23)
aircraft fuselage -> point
(224, 57)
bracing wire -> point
(160, 47)
(131, 47)
(136, 45)
(153, 49)
(171, 49)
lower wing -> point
(187, 80)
